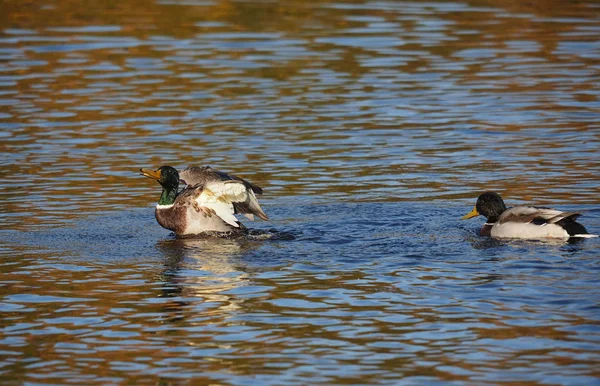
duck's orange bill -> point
(471, 214)
(154, 174)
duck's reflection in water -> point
(198, 274)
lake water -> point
(372, 127)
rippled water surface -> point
(372, 127)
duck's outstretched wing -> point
(195, 175)
(226, 198)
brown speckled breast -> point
(174, 218)
(486, 230)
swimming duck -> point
(207, 203)
(525, 222)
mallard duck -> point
(207, 203)
(525, 222)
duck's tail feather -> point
(585, 236)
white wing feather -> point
(220, 196)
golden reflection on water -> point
(206, 323)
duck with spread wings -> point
(208, 202)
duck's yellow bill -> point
(471, 214)
(154, 174)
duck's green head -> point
(168, 178)
(490, 205)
